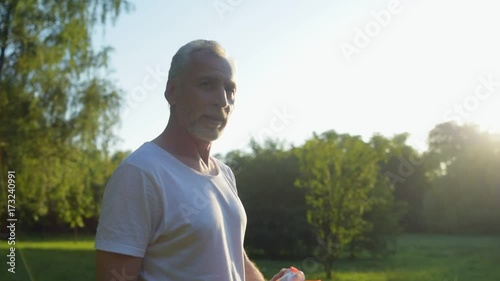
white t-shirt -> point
(186, 225)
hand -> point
(279, 274)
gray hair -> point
(183, 55)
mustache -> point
(217, 116)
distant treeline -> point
(358, 195)
(334, 183)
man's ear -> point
(170, 92)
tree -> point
(463, 164)
(57, 107)
(387, 209)
(338, 173)
(277, 225)
(404, 168)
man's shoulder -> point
(227, 172)
(224, 168)
(144, 158)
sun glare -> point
(489, 117)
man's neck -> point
(184, 147)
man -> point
(171, 211)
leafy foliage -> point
(276, 210)
(57, 107)
(338, 172)
(463, 164)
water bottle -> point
(293, 274)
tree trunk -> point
(75, 234)
(328, 268)
(352, 251)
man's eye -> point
(206, 84)
(230, 90)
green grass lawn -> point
(419, 258)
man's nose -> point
(221, 98)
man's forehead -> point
(204, 63)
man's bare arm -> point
(112, 266)
(252, 273)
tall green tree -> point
(338, 173)
(463, 164)
(387, 211)
(57, 106)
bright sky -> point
(310, 66)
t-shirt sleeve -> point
(130, 213)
